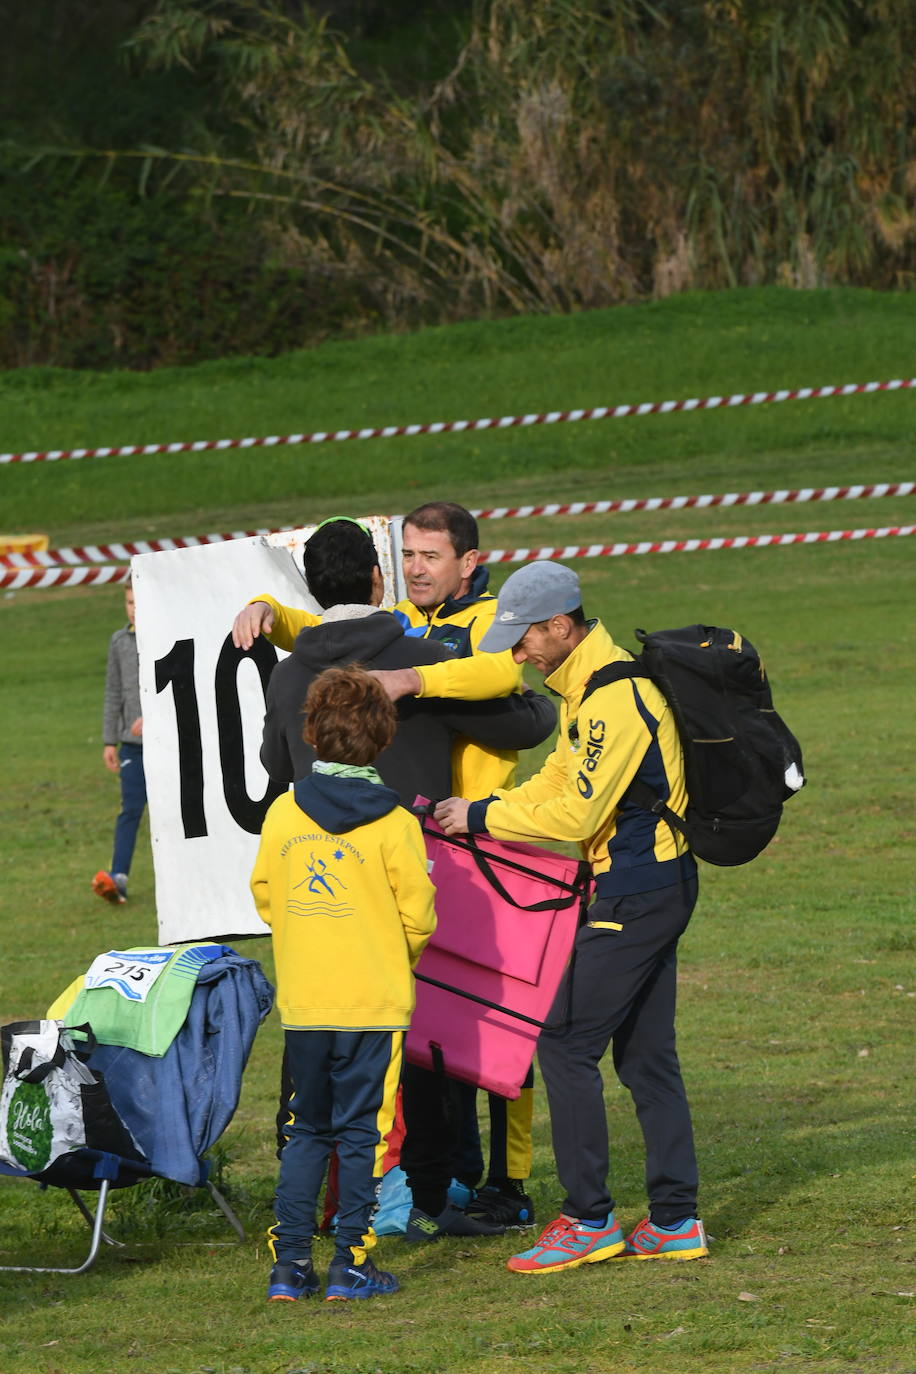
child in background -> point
(341, 879)
(122, 729)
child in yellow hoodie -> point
(341, 879)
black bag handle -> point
(484, 864)
(29, 1072)
(82, 1049)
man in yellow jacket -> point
(447, 600)
(620, 990)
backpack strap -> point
(613, 672)
(638, 792)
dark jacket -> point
(419, 759)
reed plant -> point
(583, 153)
(566, 155)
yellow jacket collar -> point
(591, 653)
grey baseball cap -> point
(533, 593)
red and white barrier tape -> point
(552, 417)
(52, 577)
(105, 553)
(738, 541)
(731, 498)
(62, 577)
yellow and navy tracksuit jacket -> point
(342, 881)
(623, 731)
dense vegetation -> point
(188, 179)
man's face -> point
(545, 645)
(432, 569)
(129, 605)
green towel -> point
(139, 998)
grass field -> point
(797, 974)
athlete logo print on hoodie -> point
(321, 897)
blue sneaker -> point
(348, 1280)
(291, 1281)
(567, 1243)
(683, 1242)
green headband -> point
(334, 519)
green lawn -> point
(797, 975)
(692, 345)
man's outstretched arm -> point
(264, 615)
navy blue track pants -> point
(621, 991)
(345, 1086)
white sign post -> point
(203, 712)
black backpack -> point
(741, 761)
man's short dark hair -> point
(458, 523)
(338, 561)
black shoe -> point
(510, 1209)
(450, 1222)
(348, 1280)
(291, 1281)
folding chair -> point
(176, 1106)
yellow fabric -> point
(288, 621)
(58, 1009)
(519, 1116)
(477, 770)
(574, 796)
(475, 678)
(345, 944)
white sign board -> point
(203, 712)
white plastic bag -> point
(51, 1102)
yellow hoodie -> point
(349, 904)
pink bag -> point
(507, 916)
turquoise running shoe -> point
(684, 1242)
(567, 1243)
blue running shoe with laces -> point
(291, 1281)
(567, 1243)
(685, 1241)
(349, 1280)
